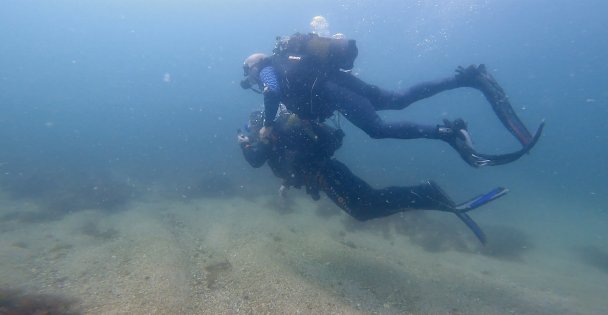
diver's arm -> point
(271, 91)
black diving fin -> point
(479, 159)
(479, 78)
(501, 105)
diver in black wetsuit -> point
(300, 153)
(309, 74)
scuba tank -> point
(302, 61)
(329, 53)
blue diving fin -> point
(481, 200)
(472, 225)
(461, 210)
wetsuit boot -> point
(456, 134)
(430, 196)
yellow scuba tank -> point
(334, 53)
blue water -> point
(137, 95)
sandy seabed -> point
(239, 256)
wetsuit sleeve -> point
(255, 153)
(272, 92)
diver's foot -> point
(456, 134)
(471, 76)
(442, 201)
(453, 131)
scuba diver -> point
(300, 153)
(310, 74)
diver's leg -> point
(403, 98)
(346, 190)
(383, 99)
(472, 76)
(362, 202)
(358, 110)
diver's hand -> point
(241, 138)
(265, 133)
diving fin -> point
(481, 236)
(480, 159)
(461, 210)
(475, 159)
(501, 105)
(442, 202)
(480, 200)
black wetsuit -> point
(301, 154)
